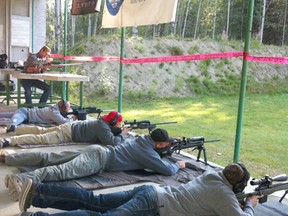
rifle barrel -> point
(264, 190)
(216, 140)
(107, 110)
(164, 123)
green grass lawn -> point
(264, 138)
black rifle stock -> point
(81, 112)
(195, 143)
(144, 124)
(266, 187)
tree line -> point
(195, 19)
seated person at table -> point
(212, 193)
(89, 131)
(34, 64)
(134, 154)
(47, 115)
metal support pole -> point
(121, 71)
(64, 84)
(32, 47)
(243, 81)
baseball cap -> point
(160, 135)
(112, 115)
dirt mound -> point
(169, 79)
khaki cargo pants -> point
(42, 135)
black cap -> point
(160, 135)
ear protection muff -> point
(113, 121)
(240, 186)
(63, 106)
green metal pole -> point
(121, 71)
(243, 81)
(65, 94)
(7, 90)
(18, 93)
(32, 47)
(81, 94)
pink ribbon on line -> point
(182, 58)
(271, 60)
(247, 57)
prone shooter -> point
(195, 143)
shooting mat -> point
(271, 208)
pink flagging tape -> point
(57, 56)
(271, 60)
(153, 59)
(247, 57)
(183, 58)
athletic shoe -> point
(25, 195)
(14, 185)
(3, 155)
(4, 143)
(11, 129)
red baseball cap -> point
(112, 115)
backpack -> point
(3, 61)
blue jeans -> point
(28, 83)
(20, 116)
(78, 202)
(10, 118)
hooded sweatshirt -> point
(136, 154)
(207, 195)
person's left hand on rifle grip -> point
(182, 164)
(74, 117)
(254, 199)
(125, 130)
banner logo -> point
(113, 6)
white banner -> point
(128, 13)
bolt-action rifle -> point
(195, 143)
(42, 68)
(81, 112)
(144, 124)
(266, 187)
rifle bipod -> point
(286, 192)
